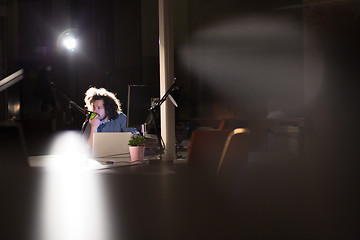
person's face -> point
(99, 108)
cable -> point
(114, 155)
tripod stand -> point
(154, 111)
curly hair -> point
(112, 105)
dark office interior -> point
(262, 65)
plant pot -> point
(137, 153)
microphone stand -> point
(85, 112)
(153, 110)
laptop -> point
(112, 145)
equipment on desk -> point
(143, 110)
(140, 99)
(111, 144)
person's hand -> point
(95, 122)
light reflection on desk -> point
(72, 205)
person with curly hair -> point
(109, 116)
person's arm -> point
(95, 123)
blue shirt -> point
(116, 125)
(113, 125)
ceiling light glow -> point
(70, 43)
(68, 40)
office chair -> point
(235, 152)
(206, 147)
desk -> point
(148, 201)
(165, 201)
(83, 163)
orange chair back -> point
(205, 149)
(235, 152)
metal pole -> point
(166, 55)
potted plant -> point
(137, 147)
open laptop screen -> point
(111, 144)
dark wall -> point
(234, 58)
(215, 43)
(150, 41)
(241, 59)
(109, 54)
(332, 34)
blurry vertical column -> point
(10, 98)
(166, 55)
(13, 151)
(12, 142)
(3, 112)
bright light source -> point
(70, 42)
(70, 149)
(73, 205)
(72, 201)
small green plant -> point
(137, 140)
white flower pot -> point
(137, 153)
